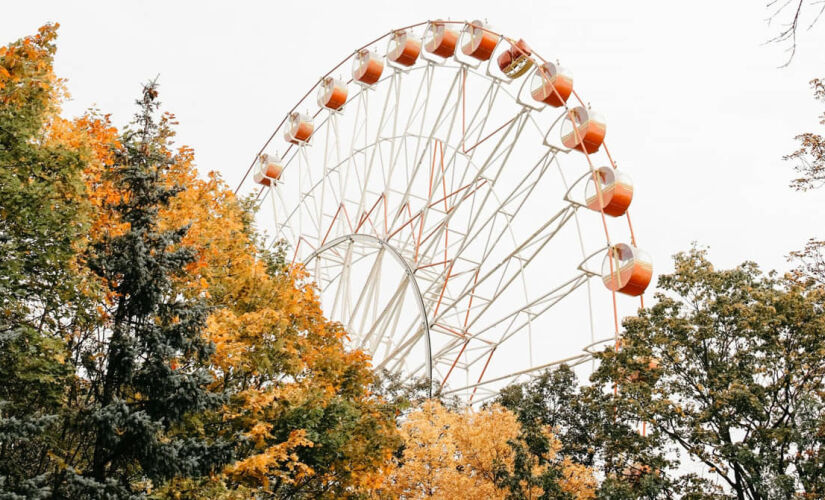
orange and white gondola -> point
(368, 67)
(332, 94)
(404, 48)
(441, 39)
(614, 193)
(552, 84)
(627, 270)
(515, 61)
(268, 170)
(481, 43)
(299, 128)
(583, 130)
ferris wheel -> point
(454, 200)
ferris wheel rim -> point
(353, 54)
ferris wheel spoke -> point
(368, 290)
(515, 322)
(508, 209)
(407, 341)
(387, 316)
(467, 241)
(478, 121)
(521, 317)
(570, 361)
(275, 194)
(381, 122)
(341, 294)
(396, 318)
(313, 211)
(506, 150)
(330, 135)
(524, 253)
(421, 154)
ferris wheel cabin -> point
(368, 67)
(441, 40)
(583, 130)
(268, 170)
(299, 128)
(515, 61)
(404, 48)
(482, 42)
(613, 193)
(552, 84)
(332, 94)
(627, 270)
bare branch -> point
(790, 25)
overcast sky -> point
(698, 109)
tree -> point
(149, 342)
(42, 213)
(299, 407)
(809, 159)
(737, 381)
(140, 369)
(465, 453)
(593, 426)
(809, 162)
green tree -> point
(729, 366)
(41, 216)
(595, 428)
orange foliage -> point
(460, 454)
(30, 63)
(277, 461)
(274, 350)
(97, 138)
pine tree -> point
(144, 372)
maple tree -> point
(299, 403)
(467, 453)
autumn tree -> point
(728, 366)
(302, 410)
(140, 360)
(809, 163)
(466, 453)
(149, 341)
(42, 213)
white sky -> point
(697, 108)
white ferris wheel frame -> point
(310, 224)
